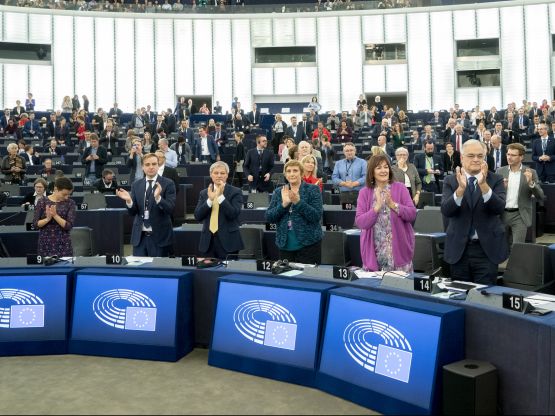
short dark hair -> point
(107, 172)
(518, 147)
(62, 183)
(374, 161)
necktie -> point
(497, 158)
(214, 216)
(472, 185)
(544, 145)
(146, 221)
(458, 146)
(428, 177)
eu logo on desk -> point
(126, 309)
(392, 358)
(26, 309)
(280, 331)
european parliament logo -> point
(390, 358)
(280, 331)
(20, 309)
(126, 309)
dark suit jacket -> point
(212, 148)
(491, 158)
(110, 145)
(251, 166)
(99, 163)
(485, 217)
(449, 164)
(420, 165)
(544, 168)
(25, 156)
(171, 173)
(253, 118)
(101, 187)
(160, 214)
(228, 219)
(299, 136)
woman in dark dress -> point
(451, 159)
(54, 218)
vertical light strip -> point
(223, 79)
(513, 71)
(84, 60)
(443, 60)
(62, 59)
(351, 62)
(241, 53)
(144, 50)
(104, 62)
(203, 65)
(537, 53)
(328, 69)
(183, 33)
(125, 72)
(165, 50)
(418, 58)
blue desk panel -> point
(33, 311)
(132, 313)
(268, 327)
(386, 352)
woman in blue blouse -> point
(296, 209)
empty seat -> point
(82, 241)
(9, 189)
(428, 221)
(334, 249)
(529, 268)
(426, 257)
(252, 240)
(260, 199)
(95, 201)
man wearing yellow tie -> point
(218, 208)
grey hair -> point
(163, 140)
(12, 146)
(401, 149)
(470, 143)
(219, 164)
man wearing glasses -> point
(472, 204)
(543, 153)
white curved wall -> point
(149, 59)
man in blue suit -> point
(543, 153)
(151, 202)
(205, 147)
(218, 208)
(472, 204)
(32, 126)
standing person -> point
(13, 165)
(278, 131)
(521, 183)
(258, 166)
(206, 149)
(385, 213)
(75, 104)
(296, 208)
(30, 103)
(451, 159)
(310, 166)
(543, 153)
(314, 105)
(239, 159)
(151, 203)
(407, 174)
(94, 157)
(349, 174)
(218, 208)
(430, 168)
(54, 218)
(473, 202)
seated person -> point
(107, 184)
(34, 196)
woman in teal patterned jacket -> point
(296, 209)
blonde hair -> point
(307, 157)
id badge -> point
(146, 215)
(289, 225)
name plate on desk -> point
(271, 226)
(35, 259)
(347, 206)
(29, 226)
(332, 227)
(342, 273)
(263, 265)
(423, 284)
(249, 205)
(115, 259)
(189, 261)
(513, 302)
(83, 206)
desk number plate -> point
(513, 302)
(423, 284)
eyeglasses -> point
(472, 156)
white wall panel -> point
(443, 60)
(241, 54)
(223, 79)
(84, 60)
(489, 97)
(351, 61)
(15, 27)
(261, 32)
(144, 69)
(40, 84)
(552, 16)
(104, 63)
(553, 70)
(307, 80)
(125, 62)
(396, 78)
(372, 29)
(418, 56)
(183, 33)
(328, 66)
(465, 24)
(203, 57)
(15, 84)
(164, 68)
(1, 26)
(3, 103)
(262, 81)
(512, 58)
(374, 78)
(284, 81)
(62, 59)
(40, 28)
(395, 25)
(487, 23)
(537, 53)
(467, 98)
(305, 31)
(284, 32)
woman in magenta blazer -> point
(385, 213)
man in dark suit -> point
(94, 157)
(160, 124)
(521, 184)
(382, 129)
(107, 184)
(254, 116)
(472, 204)
(187, 132)
(29, 156)
(205, 147)
(151, 203)
(458, 138)
(115, 112)
(109, 140)
(218, 208)
(387, 148)
(522, 122)
(258, 166)
(217, 108)
(166, 171)
(171, 121)
(497, 155)
(543, 153)
(430, 168)
(492, 118)
(534, 111)
(296, 131)
(32, 127)
(220, 136)
(18, 110)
